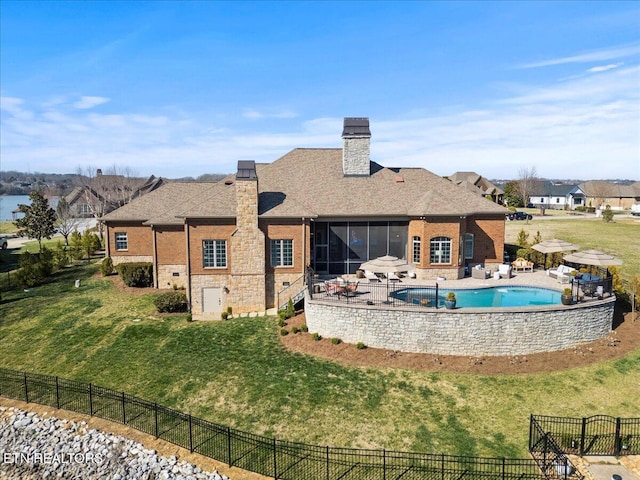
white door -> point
(212, 300)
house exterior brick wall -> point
(468, 332)
(139, 241)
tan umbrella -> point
(387, 264)
(592, 257)
(553, 246)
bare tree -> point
(66, 222)
(527, 183)
(106, 191)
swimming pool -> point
(485, 297)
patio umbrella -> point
(387, 264)
(553, 246)
(592, 257)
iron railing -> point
(595, 435)
(279, 459)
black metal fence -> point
(390, 294)
(595, 435)
(268, 456)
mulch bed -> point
(623, 339)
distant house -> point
(478, 184)
(105, 193)
(619, 197)
(559, 196)
(240, 241)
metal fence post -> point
(190, 435)
(124, 413)
(229, 446)
(384, 464)
(544, 452)
(327, 462)
(90, 400)
(57, 394)
(275, 460)
(530, 432)
(583, 434)
(442, 466)
(617, 439)
(26, 389)
(503, 467)
(155, 414)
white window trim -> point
(126, 240)
(281, 245)
(215, 255)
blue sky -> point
(185, 88)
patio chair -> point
(562, 273)
(504, 270)
(393, 277)
(479, 272)
(371, 276)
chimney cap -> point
(246, 170)
(356, 127)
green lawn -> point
(620, 238)
(238, 373)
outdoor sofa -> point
(522, 265)
(562, 273)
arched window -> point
(416, 250)
(440, 250)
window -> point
(214, 253)
(83, 208)
(282, 253)
(416, 249)
(468, 245)
(122, 243)
(440, 250)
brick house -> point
(240, 241)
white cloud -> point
(596, 56)
(253, 114)
(604, 68)
(88, 102)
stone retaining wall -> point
(465, 331)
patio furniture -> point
(504, 270)
(393, 277)
(479, 272)
(522, 265)
(371, 276)
(562, 273)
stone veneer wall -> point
(355, 155)
(274, 285)
(132, 258)
(166, 278)
(198, 282)
(247, 281)
(468, 332)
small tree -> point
(75, 241)
(39, 219)
(66, 222)
(523, 239)
(90, 243)
(607, 214)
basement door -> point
(212, 300)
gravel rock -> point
(33, 448)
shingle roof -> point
(308, 182)
(599, 188)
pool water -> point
(486, 297)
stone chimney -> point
(356, 139)
(247, 281)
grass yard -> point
(239, 373)
(620, 238)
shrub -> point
(230, 310)
(282, 322)
(29, 274)
(335, 341)
(282, 314)
(189, 318)
(136, 274)
(291, 311)
(607, 214)
(284, 332)
(361, 346)
(316, 336)
(295, 330)
(75, 242)
(106, 267)
(224, 315)
(304, 328)
(60, 256)
(171, 302)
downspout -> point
(155, 257)
(186, 231)
(107, 244)
(304, 246)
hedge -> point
(136, 274)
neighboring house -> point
(559, 196)
(478, 184)
(240, 241)
(619, 197)
(99, 198)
